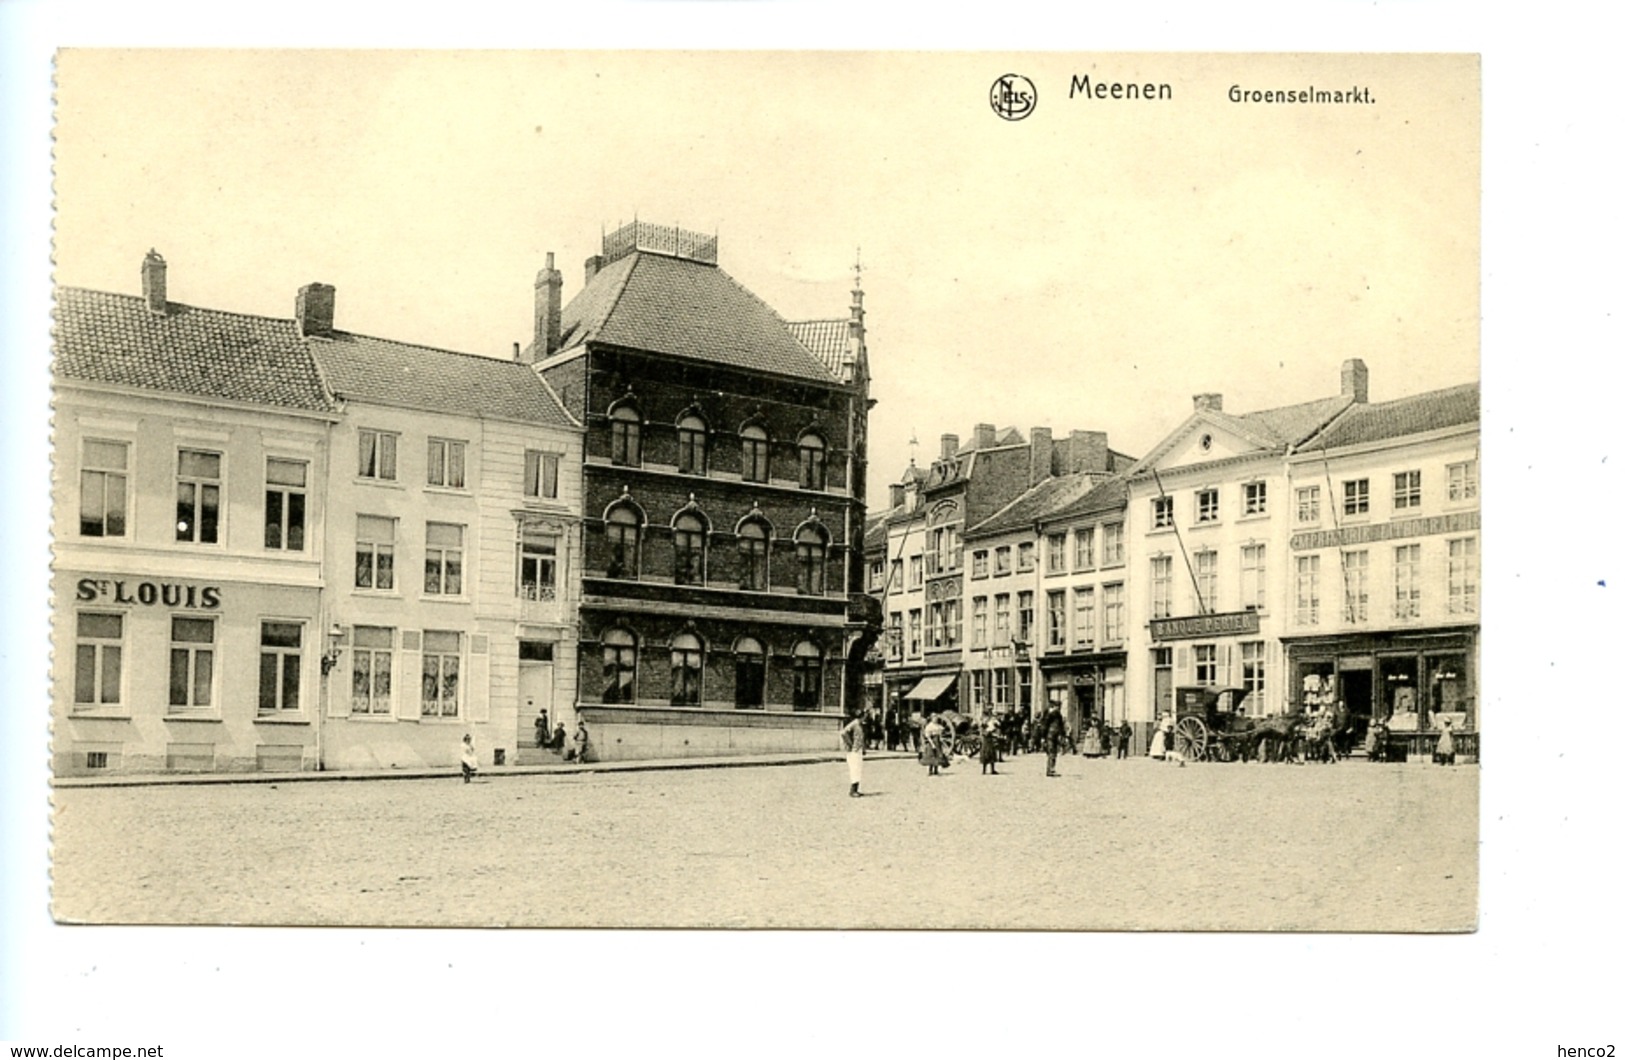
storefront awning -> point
(931, 687)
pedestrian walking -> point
(1125, 736)
(853, 740)
(1052, 734)
(990, 746)
(1444, 753)
(933, 755)
(471, 758)
(543, 730)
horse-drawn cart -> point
(1208, 723)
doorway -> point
(536, 717)
(1356, 690)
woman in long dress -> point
(1090, 747)
(1159, 740)
(933, 755)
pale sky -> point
(1092, 266)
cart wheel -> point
(1191, 738)
(1221, 750)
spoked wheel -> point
(1191, 738)
(969, 746)
(1222, 751)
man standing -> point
(852, 741)
(1052, 731)
(1125, 736)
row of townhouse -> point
(284, 546)
(1303, 555)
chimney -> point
(153, 287)
(1040, 455)
(950, 446)
(594, 263)
(313, 309)
(984, 433)
(1356, 380)
(896, 495)
(1209, 402)
(549, 287)
(1087, 451)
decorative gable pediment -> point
(1202, 439)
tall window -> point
(916, 571)
(1308, 590)
(691, 445)
(1252, 672)
(1112, 600)
(1083, 548)
(538, 564)
(620, 666)
(1254, 498)
(1111, 545)
(895, 577)
(688, 550)
(942, 547)
(1001, 689)
(374, 552)
(686, 668)
(894, 636)
(541, 475)
(810, 548)
(377, 455)
(750, 674)
(877, 575)
(1055, 553)
(98, 660)
(1001, 620)
(1026, 556)
(447, 460)
(372, 666)
(1356, 496)
(1207, 506)
(933, 626)
(1309, 504)
(1463, 481)
(625, 436)
(1083, 615)
(978, 563)
(1207, 663)
(914, 643)
(1207, 581)
(753, 454)
(952, 620)
(285, 504)
(1055, 609)
(1162, 513)
(443, 559)
(1464, 576)
(1162, 586)
(1356, 586)
(978, 622)
(1407, 490)
(103, 488)
(1001, 560)
(812, 462)
(808, 668)
(197, 497)
(191, 663)
(1253, 581)
(753, 556)
(621, 530)
(1024, 617)
(1408, 581)
(279, 666)
(442, 669)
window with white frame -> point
(1001, 689)
(1162, 586)
(1207, 581)
(98, 659)
(1207, 663)
(952, 622)
(197, 497)
(538, 564)
(443, 559)
(686, 669)
(1083, 615)
(541, 475)
(978, 622)
(447, 463)
(1055, 553)
(285, 482)
(916, 571)
(1253, 585)
(1308, 504)
(191, 663)
(1083, 548)
(1162, 513)
(1356, 496)
(933, 626)
(1207, 505)
(1408, 581)
(1026, 556)
(1308, 590)
(1112, 605)
(877, 575)
(1024, 617)
(915, 619)
(1111, 545)
(104, 482)
(1463, 481)
(376, 459)
(1001, 620)
(895, 578)
(1463, 576)
(1055, 609)
(1252, 671)
(280, 664)
(374, 552)
(442, 672)
(978, 689)
(1407, 490)
(894, 635)
(1356, 586)
(372, 669)
(1001, 560)
(978, 563)
(1254, 498)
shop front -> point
(1087, 688)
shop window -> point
(621, 530)
(1162, 584)
(197, 497)
(1162, 513)
(1407, 490)
(750, 674)
(807, 665)
(285, 504)
(620, 666)
(1447, 690)
(541, 475)
(1356, 586)
(1254, 498)
(1309, 504)
(280, 657)
(1207, 506)
(374, 552)
(753, 447)
(810, 549)
(538, 564)
(442, 672)
(691, 455)
(98, 660)
(686, 668)
(103, 488)
(812, 462)
(1356, 496)
(447, 463)
(1399, 693)
(191, 663)
(625, 436)
(376, 459)
(753, 566)
(372, 668)
(443, 559)
(688, 549)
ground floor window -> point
(442, 672)
(808, 666)
(750, 674)
(1207, 663)
(371, 666)
(686, 655)
(1396, 676)
(620, 666)
(1162, 680)
(98, 660)
(1447, 690)
(191, 663)
(1252, 672)
(280, 644)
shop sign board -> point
(1191, 626)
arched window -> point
(750, 674)
(753, 540)
(810, 549)
(620, 666)
(691, 445)
(686, 667)
(625, 436)
(808, 667)
(688, 549)
(622, 530)
(812, 462)
(753, 460)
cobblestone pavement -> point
(1107, 845)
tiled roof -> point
(1430, 411)
(385, 372)
(114, 338)
(826, 340)
(1038, 502)
(1291, 424)
(686, 309)
(1110, 495)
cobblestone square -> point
(1106, 846)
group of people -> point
(580, 744)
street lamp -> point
(335, 648)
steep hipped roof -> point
(402, 375)
(114, 338)
(686, 309)
(827, 341)
(1433, 410)
(1027, 509)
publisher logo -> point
(1013, 97)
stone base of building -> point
(634, 733)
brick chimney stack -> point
(897, 495)
(1209, 402)
(950, 446)
(549, 299)
(1040, 455)
(1087, 452)
(154, 287)
(313, 309)
(1356, 380)
(594, 263)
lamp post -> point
(330, 659)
